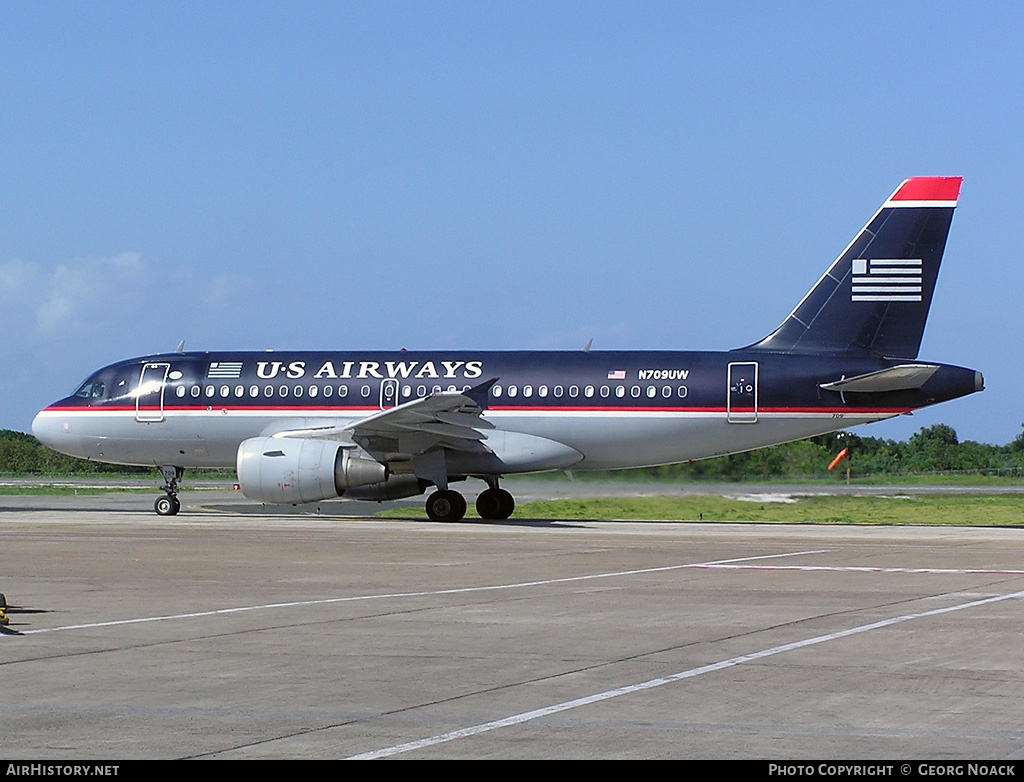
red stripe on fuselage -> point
(495, 408)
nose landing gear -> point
(169, 504)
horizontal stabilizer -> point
(898, 378)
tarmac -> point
(321, 632)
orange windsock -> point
(839, 458)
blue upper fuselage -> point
(340, 382)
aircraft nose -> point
(45, 428)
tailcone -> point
(952, 382)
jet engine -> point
(396, 487)
(294, 470)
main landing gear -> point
(169, 504)
(493, 504)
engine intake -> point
(293, 470)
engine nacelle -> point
(396, 487)
(293, 470)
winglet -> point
(479, 393)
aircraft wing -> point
(450, 419)
(441, 434)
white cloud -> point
(85, 294)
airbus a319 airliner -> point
(308, 426)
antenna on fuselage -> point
(181, 347)
(586, 348)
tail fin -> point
(876, 296)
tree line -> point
(23, 454)
(934, 449)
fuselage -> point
(616, 409)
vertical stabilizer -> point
(876, 296)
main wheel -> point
(495, 504)
(168, 505)
(446, 505)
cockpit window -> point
(91, 389)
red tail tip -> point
(929, 188)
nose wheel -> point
(169, 504)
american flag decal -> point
(886, 279)
(225, 370)
(617, 374)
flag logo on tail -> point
(886, 279)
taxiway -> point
(226, 632)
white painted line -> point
(730, 564)
(526, 716)
(861, 569)
(429, 593)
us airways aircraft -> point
(306, 426)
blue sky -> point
(492, 176)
